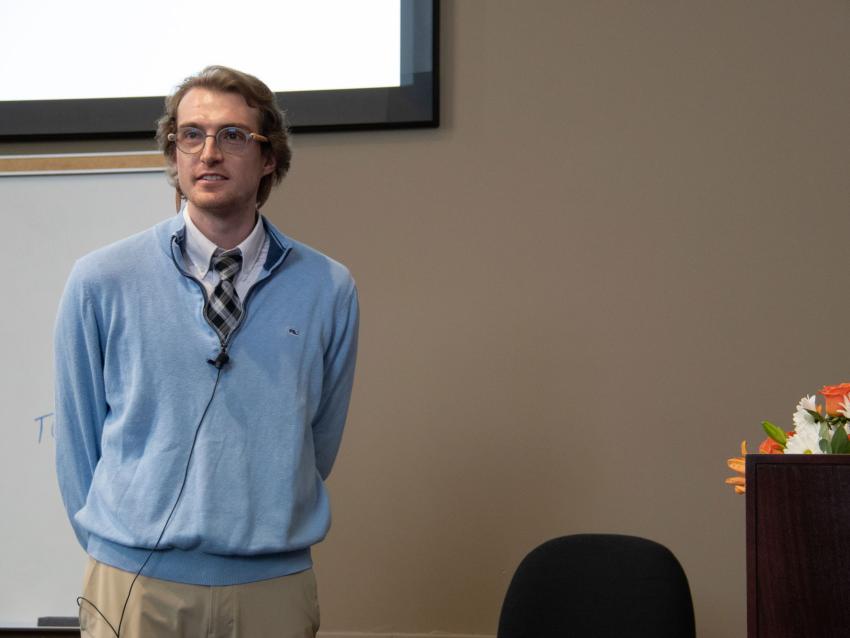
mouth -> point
(211, 177)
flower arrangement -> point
(818, 429)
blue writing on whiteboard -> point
(40, 420)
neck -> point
(224, 230)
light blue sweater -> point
(132, 380)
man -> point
(203, 374)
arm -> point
(80, 397)
(338, 379)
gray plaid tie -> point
(224, 309)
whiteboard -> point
(49, 221)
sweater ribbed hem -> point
(198, 568)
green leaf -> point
(837, 421)
(774, 432)
(816, 415)
(824, 446)
(840, 442)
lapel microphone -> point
(220, 361)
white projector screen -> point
(97, 68)
(350, 45)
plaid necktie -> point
(224, 309)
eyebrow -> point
(196, 125)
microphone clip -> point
(220, 361)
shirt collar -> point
(200, 250)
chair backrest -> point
(598, 586)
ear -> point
(269, 164)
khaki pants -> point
(285, 607)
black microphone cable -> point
(219, 363)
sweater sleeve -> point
(79, 395)
(339, 361)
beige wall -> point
(625, 246)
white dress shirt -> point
(199, 251)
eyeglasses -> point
(230, 139)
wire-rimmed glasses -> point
(230, 139)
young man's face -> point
(217, 183)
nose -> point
(210, 152)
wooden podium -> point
(798, 545)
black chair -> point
(598, 586)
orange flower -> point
(769, 446)
(737, 464)
(834, 395)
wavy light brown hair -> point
(257, 95)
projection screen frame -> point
(413, 104)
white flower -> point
(806, 439)
(844, 406)
(806, 432)
(801, 417)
